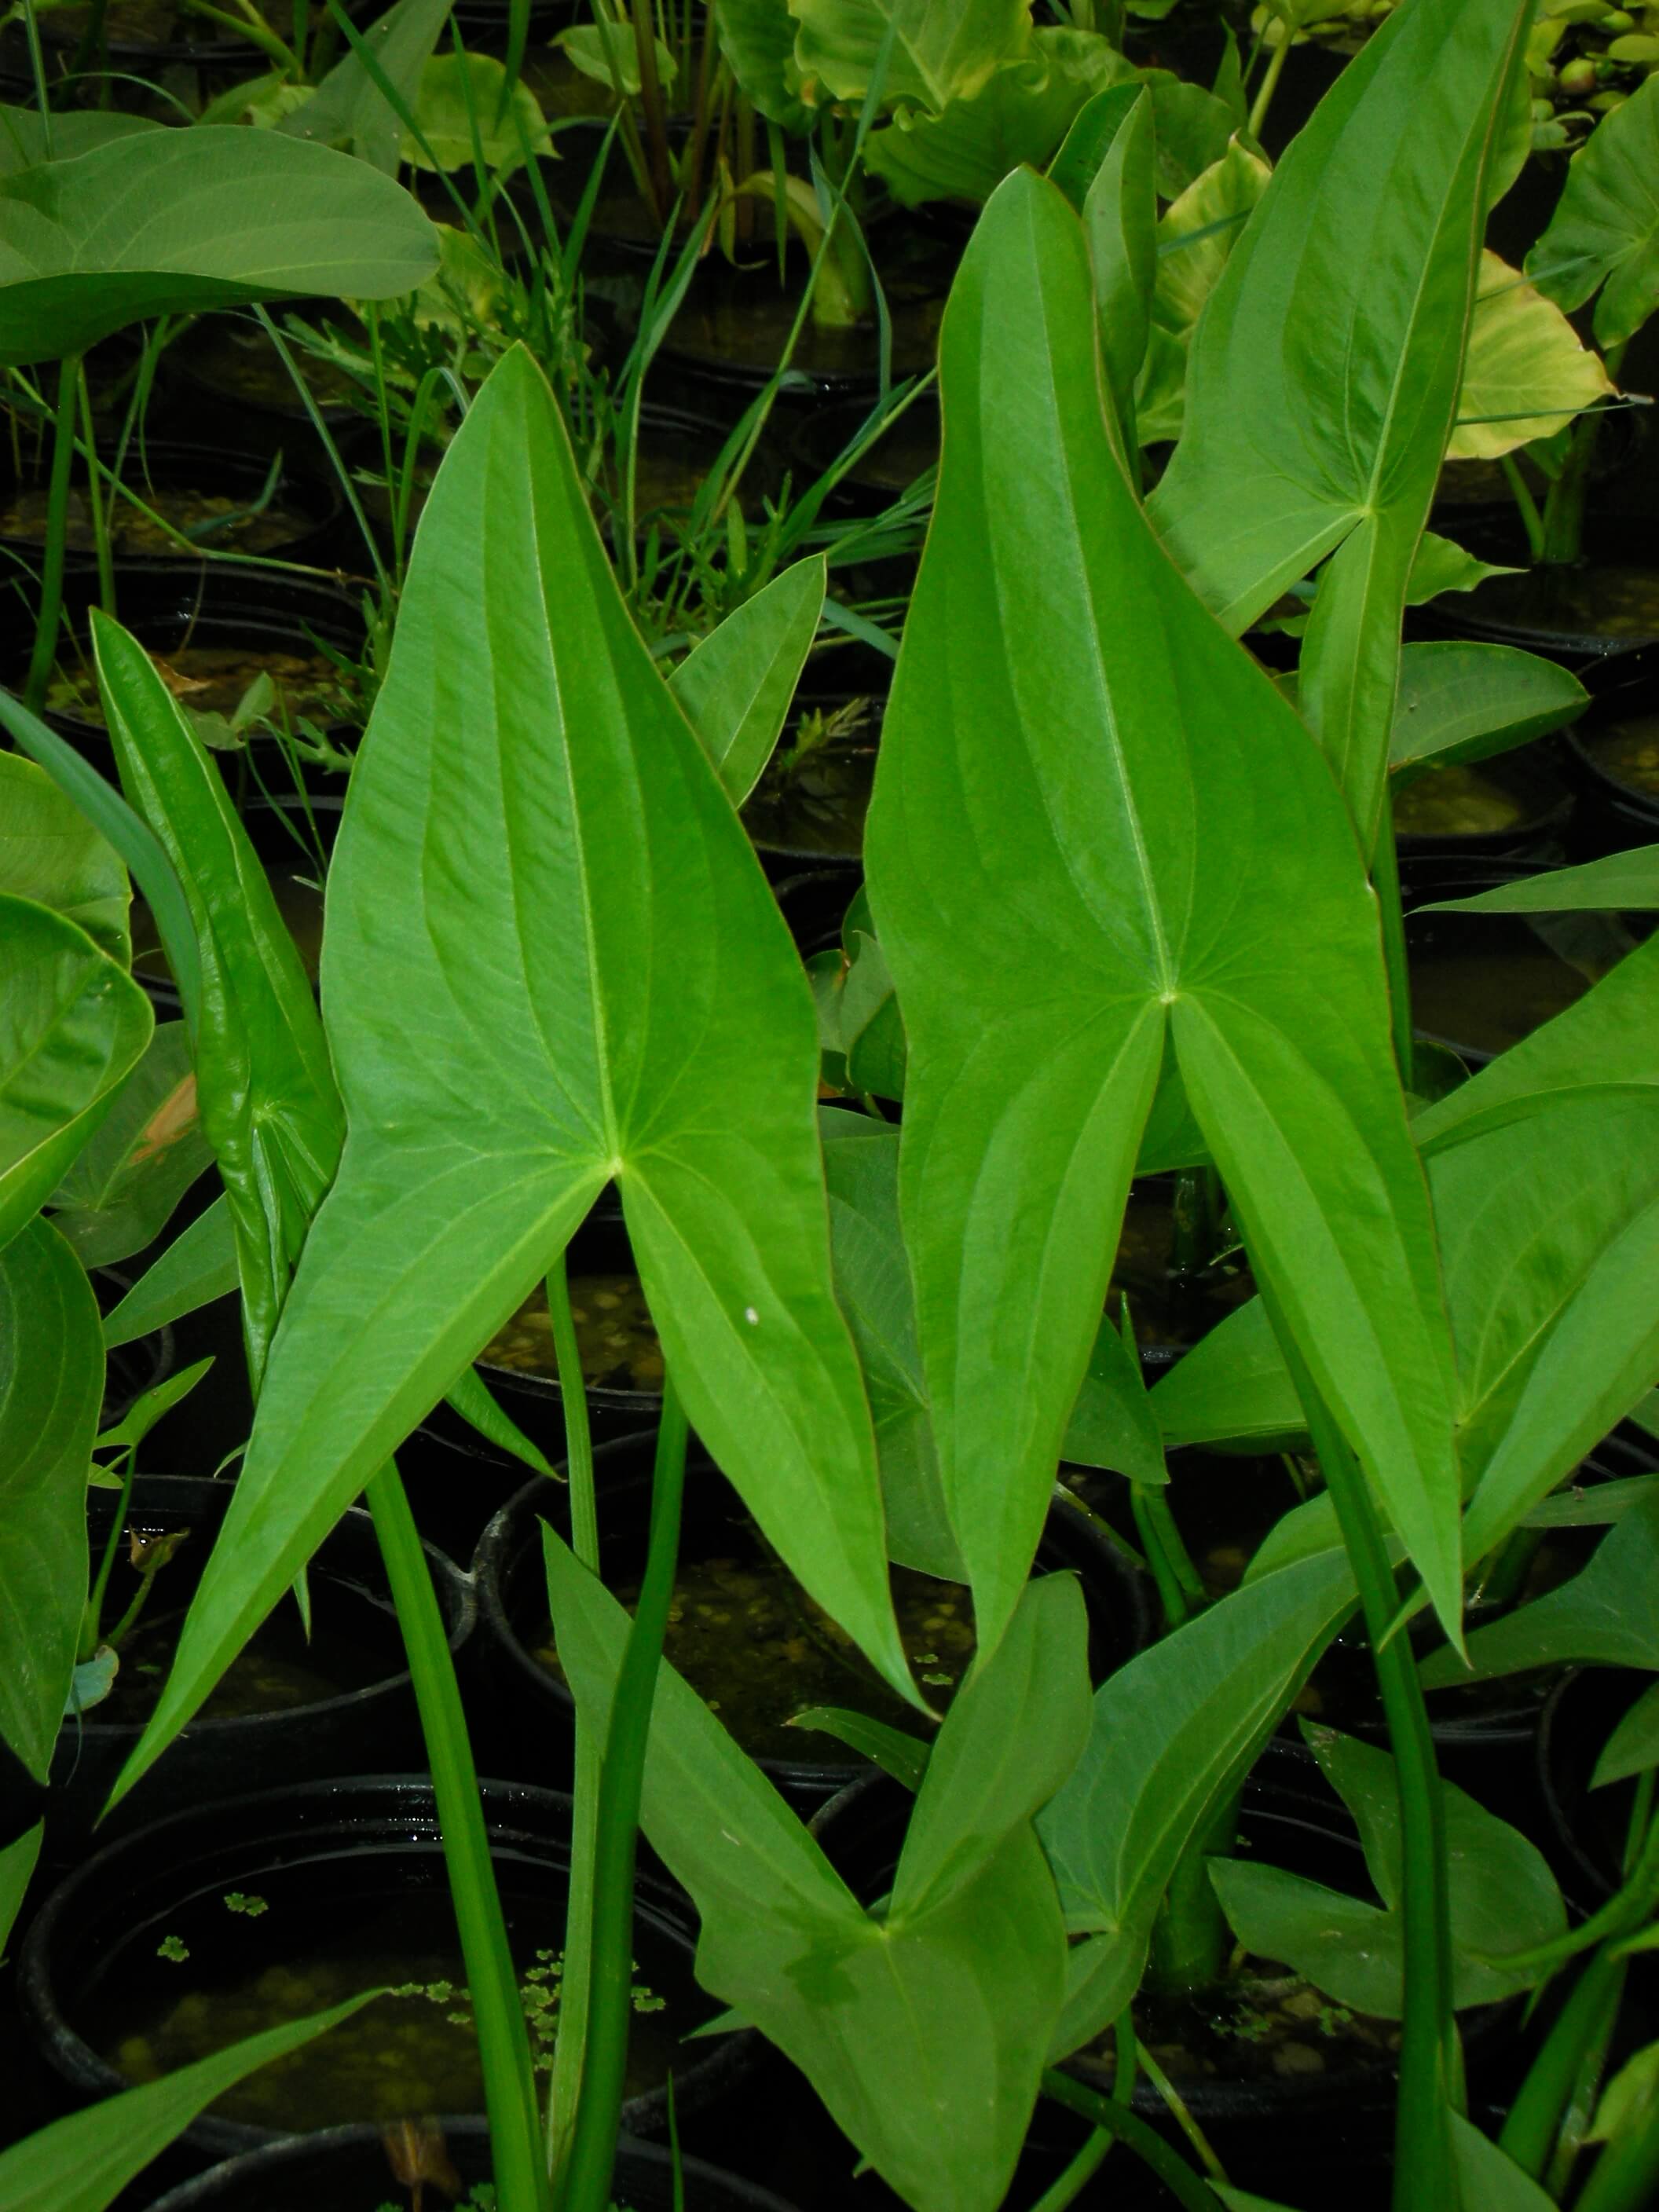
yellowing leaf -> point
(1525, 372)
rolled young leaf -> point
(1326, 371)
(269, 1108)
(52, 1383)
(551, 960)
(176, 221)
(1097, 828)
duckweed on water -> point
(1260, 2023)
(1456, 802)
(214, 679)
(413, 2050)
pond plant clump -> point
(874, 780)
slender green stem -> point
(1576, 2116)
(38, 67)
(592, 2153)
(1176, 2106)
(569, 2050)
(51, 566)
(1188, 2188)
(651, 100)
(1264, 99)
(1431, 2072)
(1531, 520)
(503, 2042)
(1171, 1599)
(1563, 528)
(1385, 882)
(95, 499)
(1081, 2171)
(1190, 1936)
(93, 1615)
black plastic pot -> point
(728, 338)
(1527, 779)
(1482, 982)
(169, 606)
(1615, 810)
(229, 380)
(1587, 1828)
(345, 2170)
(1579, 614)
(330, 1868)
(1282, 2136)
(313, 508)
(533, 1706)
(354, 1634)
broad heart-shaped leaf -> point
(737, 686)
(50, 853)
(1526, 373)
(459, 102)
(1605, 1616)
(121, 1188)
(269, 1109)
(1096, 821)
(1605, 230)
(23, 134)
(757, 43)
(1502, 1895)
(1625, 882)
(175, 221)
(82, 2164)
(952, 1991)
(1324, 376)
(872, 1283)
(72, 1025)
(538, 857)
(51, 1382)
(1462, 702)
(1174, 1733)
(941, 48)
(348, 108)
(1021, 112)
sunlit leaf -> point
(1324, 376)
(606, 991)
(177, 222)
(1095, 824)
(1526, 373)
